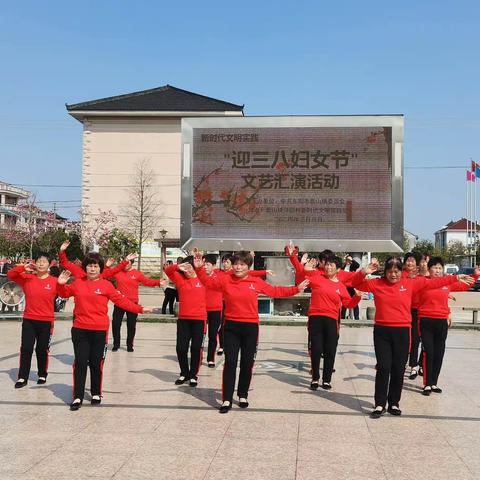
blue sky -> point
(304, 57)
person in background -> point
(128, 281)
(171, 294)
(351, 266)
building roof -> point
(13, 191)
(459, 225)
(161, 99)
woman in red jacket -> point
(128, 281)
(240, 292)
(391, 333)
(40, 290)
(434, 314)
(91, 324)
(192, 319)
(328, 296)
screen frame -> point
(393, 121)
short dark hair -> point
(210, 258)
(180, 260)
(244, 257)
(413, 255)
(393, 262)
(322, 256)
(435, 261)
(93, 258)
(424, 256)
(334, 259)
(42, 254)
(227, 256)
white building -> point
(10, 197)
(120, 131)
(458, 231)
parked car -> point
(451, 269)
(469, 271)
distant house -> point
(410, 240)
(458, 230)
(10, 197)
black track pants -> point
(190, 334)
(170, 297)
(239, 337)
(117, 317)
(391, 349)
(40, 332)
(434, 333)
(413, 361)
(323, 338)
(214, 321)
(90, 348)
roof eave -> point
(81, 114)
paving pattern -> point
(148, 428)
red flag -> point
(474, 166)
(470, 176)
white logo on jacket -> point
(98, 291)
(133, 277)
(402, 289)
(199, 285)
(252, 286)
(338, 291)
(48, 287)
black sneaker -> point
(211, 364)
(377, 412)
(243, 403)
(220, 352)
(41, 381)
(314, 385)
(326, 386)
(193, 382)
(413, 374)
(394, 410)
(96, 400)
(114, 349)
(436, 389)
(225, 407)
(75, 405)
(180, 380)
(130, 349)
(21, 383)
(427, 391)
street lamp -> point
(163, 250)
(163, 233)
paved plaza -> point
(147, 428)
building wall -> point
(112, 147)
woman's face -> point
(93, 271)
(410, 264)
(436, 270)
(227, 264)
(209, 267)
(393, 275)
(331, 269)
(240, 269)
(424, 264)
(42, 265)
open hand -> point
(131, 256)
(64, 277)
(64, 245)
(147, 310)
(372, 266)
(302, 286)
(304, 259)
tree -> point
(100, 226)
(424, 246)
(117, 244)
(454, 250)
(142, 205)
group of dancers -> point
(411, 300)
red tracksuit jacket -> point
(91, 302)
(79, 272)
(39, 294)
(393, 301)
(129, 281)
(241, 294)
(191, 293)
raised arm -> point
(150, 282)
(423, 283)
(280, 292)
(19, 275)
(76, 271)
(292, 253)
(64, 290)
(123, 302)
(172, 273)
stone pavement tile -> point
(59, 421)
(430, 462)
(13, 420)
(79, 464)
(43, 442)
(330, 469)
(197, 427)
(243, 468)
(126, 421)
(460, 433)
(347, 420)
(108, 443)
(345, 451)
(14, 462)
(324, 432)
(181, 444)
(152, 466)
(258, 450)
(391, 430)
(262, 426)
(470, 457)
